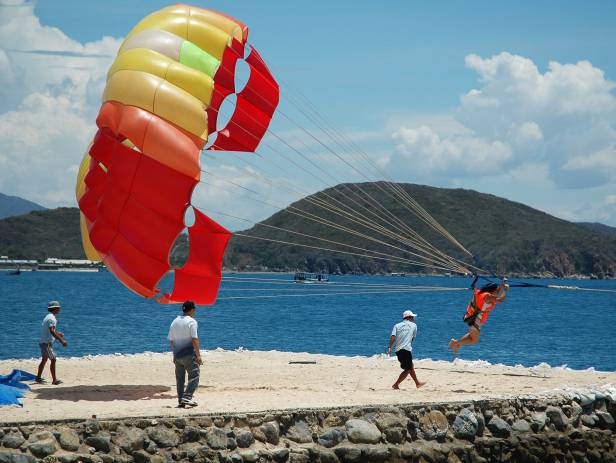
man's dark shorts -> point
(405, 358)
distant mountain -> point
(599, 228)
(504, 236)
(42, 234)
(14, 205)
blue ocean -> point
(350, 316)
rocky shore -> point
(568, 428)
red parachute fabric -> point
(254, 108)
(135, 203)
(144, 160)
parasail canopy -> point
(160, 105)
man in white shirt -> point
(186, 356)
(48, 334)
(403, 335)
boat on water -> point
(310, 278)
(14, 272)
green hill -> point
(42, 234)
(504, 237)
(14, 205)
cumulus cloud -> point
(50, 88)
(563, 118)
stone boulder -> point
(130, 439)
(606, 421)
(244, 439)
(393, 427)
(13, 440)
(434, 425)
(43, 448)
(191, 434)
(216, 438)
(268, 432)
(331, 438)
(300, 432)
(7, 457)
(362, 432)
(590, 420)
(249, 456)
(520, 426)
(466, 425)
(163, 436)
(99, 442)
(349, 454)
(68, 439)
(538, 421)
(557, 418)
(499, 427)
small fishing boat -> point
(310, 278)
(14, 272)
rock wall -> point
(579, 429)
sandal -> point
(57, 381)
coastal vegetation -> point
(503, 236)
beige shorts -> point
(47, 350)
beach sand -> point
(245, 381)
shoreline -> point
(457, 361)
(142, 385)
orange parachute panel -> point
(160, 104)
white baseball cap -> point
(408, 313)
(53, 305)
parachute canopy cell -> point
(159, 106)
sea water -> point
(100, 316)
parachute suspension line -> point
(352, 148)
(416, 208)
(344, 205)
(399, 260)
(398, 192)
(337, 293)
(278, 281)
(314, 218)
(415, 244)
(316, 237)
(344, 186)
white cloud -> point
(426, 153)
(563, 118)
(52, 86)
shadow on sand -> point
(104, 393)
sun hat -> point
(408, 313)
(53, 305)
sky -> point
(515, 99)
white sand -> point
(144, 384)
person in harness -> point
(483, 301)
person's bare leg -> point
(451, 343)
(401, 378)
(52, 367)
(472, 337)
(418, 383)
(41, 367)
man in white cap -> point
(48, 333)
(402, 336)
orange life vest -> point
(475, 308)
